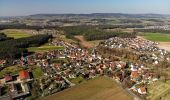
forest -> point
(14, 48)
(94, 33)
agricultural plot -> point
(158, 37)
(159, 91)
(101, 88)
(16, 33)
(45, 48)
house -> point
(8, 78)
(2, 63)
(142, 90)
(134, 75)
(24, 75)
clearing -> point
(87, 44)
(16, 33)
(101, 88)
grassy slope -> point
(44, 48)
(16, 33)
(13, 70)
(158, 37)
(101, 88)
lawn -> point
(13, 70)
(158, 37)
(37, 72)
(45, 48)
(101, 88)
(16, 33)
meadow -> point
(158, 37)
(100, 88)
(45, 48)
(16, 33)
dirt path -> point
(84, 42)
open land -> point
(16, 33)
(101, 88)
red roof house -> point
(24, 74)
(8, 78)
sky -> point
(28, 7)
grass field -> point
(37, 72)
(101, 88)
(16, 33)
(45, 48)
(13, 70)
(158, 37)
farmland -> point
(158, 37)
(16, 33)
(44, 48)
(159, 90)
(101, 88)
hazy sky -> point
(27, 7)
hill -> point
(101, 88)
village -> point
(61, 66)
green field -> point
(16, 33)
(37, 72)
(101, 88)
(13, 70)
(45, 48)
(158, 37)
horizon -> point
(32, 7)
(85, 14)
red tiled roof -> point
(134, 74)
(8, 78)
(143, 89)
(24, 74)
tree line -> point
(94, 33)
(14, 48)
(4, 37)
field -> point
(101, 88)
(159, 90)
(37, 71)
(16, 33)
(164, 45)
(13, 70)
(44, 48)
(158, 37)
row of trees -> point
(4, 37)
(94, 32)
(100, 35)
(15, 47)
